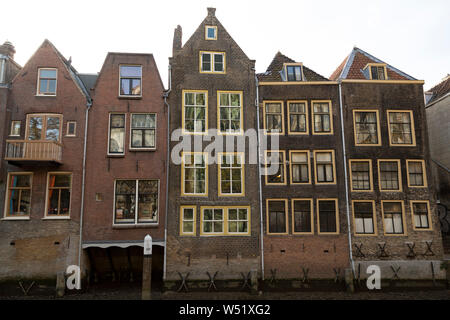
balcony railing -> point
(33, 150)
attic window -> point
(293, 72)
(377, 71)
(47, 81)
(210, 32)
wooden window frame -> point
(212, 61)
(430, 223)
(293, 215)
(58, 216)
(6, 215)
(333, 159)
(424, 173)
(194, 221)
(225, 221)
(403, 219)
(331, 117)
(219, 174)
(370, 65)
(183, 193)
(399, 176)
(131, 96)
(284, 168)
(351, 161)
(318, 216)
(183, 113)
(374, 219)
(289, 117)
(44, 125)
(413, 130)
(285, 214)
(376, 111)
(264, 117)
(293, 64)
(12, 127)
(38, 86)
(131, 132)
(308, 154)
(241, 131)
(68, 126)
(119, 154)
(206, 32)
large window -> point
(187, 220)
(273, 117)
(299, 167)
(194, 174)
(421, 215)
(47, 81)
(136, 201)
(302, 216)
(401, 128)
(230, 112)
(325, 171)
(212, 62)
(367, 128)
(195, 112)
(18, 202)
(231, 174)
(327, 216)
(416, 173)
(322, 117)
(276, 216)
(393, 217)
(275, 168)
(361, 175)
(44, 127)
(298, 117)
(116, 134)
(228, 220)
(364, 217)
(130, 80)
(143, 130)
(389, 175)
(58, 194)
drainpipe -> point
(80, 245)
(259, 180)
(344, 154)
(166, 95)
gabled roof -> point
(440, 90)
(273, 73)
(352, 67)
(88, 79)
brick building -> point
(126, 167)
(43, 156)
(213, 213)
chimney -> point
(7, 49)
(211, 12)
(177, 37)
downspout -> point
(259, 180)
(166, 95)
(80, 245)
(344, 154)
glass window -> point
(401, 128)
(294, 73)
(71, 128)
(298, 117)
(117, 133)
(275, 170)
(361, 175)
(143, 130)
(327, 216)
(302, 216)
(211, 33)
(322, 117)
(378, 72)
(324, 167)
(231, 174)
(130, 80)
(19, 195)
(300, 167)
(420, 211)
(230, 112)
(212, 62)
(213, 220)
(363, 214)
(416, 173)
(366, 128)
(188, 220)
(273, 117)
(44, 127)
(237, 220)
(195, 174)
(195, 112)
(393, 217)
(15, 128)
(47, 82)
(59, 189)
(389, 175)
(277, 216)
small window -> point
(116, 134)
(361, 175)
(130, 81)
(302, 216)
(15, 128)
(322, 117)
(231, 174)
(416, 173)
(276, 216)
(143, 130)
(210, 32)
(298, 117)
(275, 168)
(393, 217)
(238, 220)
(293, 72)
(325, 171)
(230, 112)
(299, 167)
(47, 82)
(364, 217)
(377, 71)
(273, 117)
(212, 62)
(421, 215)
(18, 202)
(71, 128)
(58, 194)
(212, 221)
(195, 112)
(187, 220)
(327, 212)
(367, 128)
(389, 175)
(194, 174)
(401, 128)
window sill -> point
(136, 226)
(56, 218)
(15, 218)
(45, 95)
(141, 149)
(130, 97)
(115, 155)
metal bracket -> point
(382, 253)
(359, 252)
(273, 273)
(411, 246)
(246, 279)
(183, 282)
(305, 275)
(212, 280)
(395, 272)
(25, 291)
(429, 252)
(337, 274)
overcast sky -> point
(411, 35)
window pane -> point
(147, 200)
(44, 73)
(130, 71)
(52, 132)
(35, 128)
(125, 202)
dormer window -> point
(210, 32)
(293, 72)
(47, 81)
(130, 81)
(212, 62)
(377, 71)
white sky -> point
(411, 35)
